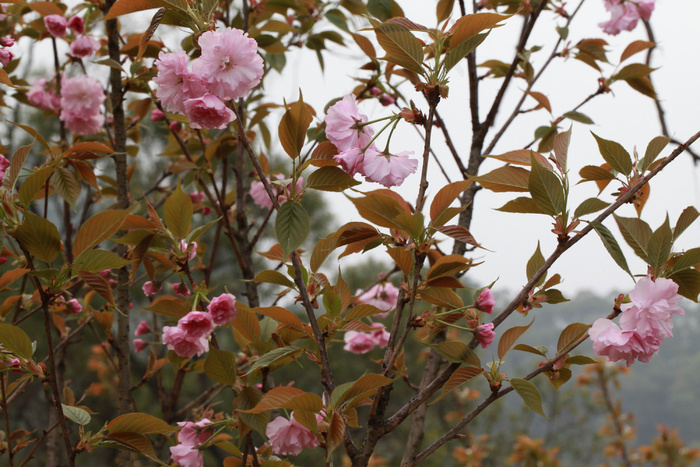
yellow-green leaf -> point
(140, 423)
(40, 237)
(16, 341)
(98, 228)
(220, 366)
(529, 393)
(293, 126)
(177, 213)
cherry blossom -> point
(223, 309)
(208, 112)
(340, 125)
(56, 25)
(184, 345)
(289, 437)
(388, 169)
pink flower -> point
(388, 169)
(84, 46)
(289, 437)
(359, 342)
(4, 164)
(140, 345)
(340, 125)
(381, 336)
(142, 328)
(229, 63)
(181, 289)
(77, 25)
(73, 306)
(157, 115)
(259, 195)
(208, 112)
(196, 324)
(189, 249)
(486, 301)
(186, 453)
(182, 344)
(223, 309)
(624, 14)
(16, 366)
(653, 305)
(6, 56)
(485, 334)
(190, 435)
(197, 197)
(176, 83)
(80, 104)
(351, 160)
(149, 289)
(382, 296)
(609, 340)
(43, 96)
(56, 25)
(7, 41)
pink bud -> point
(16, 366)
(157, 115)
(386, 100)
(142, 328)
(77, 25)
(140, 345)
(7, 41)
(56, 25)
(6, 56)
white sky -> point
(625, 116)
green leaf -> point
(274, 355)
(636, 233)
(522, 205)
(654, 148)
(615, 155)
(199, 231)
(546, 189)
(633, 71)
(505, 179)
(570, 334)
(99, 284)
(457, 352)
(365, 384)
(76, 414)
(660, 245)
(444, 9)
(456, 54)
(291, 226)
(274, 277)
(459, 377)
(469, 26)
(32, 184)
(97, 229)
(688, 281)
(580, 360)
(380, 9)
(330, 179)
(66, 185)
(140, 423)
(611, 245)
(534, 264)
(684, 221)
(170, 306)
(590, 206)
(98, 260)
(293, 126)
(16, 164)
(509, 338)
(687, 260)
(379, 209)
(16, 341)
(40, 237)
(178, 213)
(530, 395)
(531, 349)
(401, 46)
(32, 132)
(220, 366)
(593, 172)
(561, 149)
(578, 117)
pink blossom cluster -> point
(43, 95)
(189, 438)
(197, 197)
(644, 325)
(191, 335)
(261, 198)
(382, 296)
(289, 437)
(58, 26)
(81, 98)
(5, 55)
(624, 14)
(229, 67)
(485, 334)
(357, 153)
(363, 342)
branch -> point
(424, 395)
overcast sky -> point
(625, 116)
